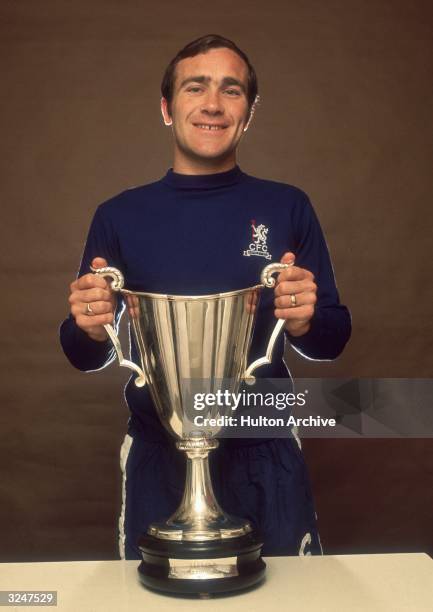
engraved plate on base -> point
(203, 569)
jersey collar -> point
(203, 181)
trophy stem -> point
(198, 507)
(199, 516)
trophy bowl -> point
(186, 345)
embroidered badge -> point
(258, 245)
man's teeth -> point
(210, 127)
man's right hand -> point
(91, 294)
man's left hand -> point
(295, 297)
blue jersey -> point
(207, 234)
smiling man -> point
(208, 227)
(208, 110)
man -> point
(208, 227)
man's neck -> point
(187, 166)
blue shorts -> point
(265, 482)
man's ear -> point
(252, 111)
(165, 113)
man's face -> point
(209, 109)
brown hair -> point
(202, 45)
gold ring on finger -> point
(89, 311)
(292, 300)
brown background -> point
(346, 94)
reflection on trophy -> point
(202, 339)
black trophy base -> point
(201, 568)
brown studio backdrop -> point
(346, 100)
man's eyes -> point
(230, 91)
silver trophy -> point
(189, 344)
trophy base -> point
(221, 527)
(201, 568)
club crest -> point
(258, 246)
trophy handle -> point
(267, 280)
(117, 282)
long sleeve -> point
(331, 324)
(83, 352)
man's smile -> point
(211, 127)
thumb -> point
(99, 262)
(288, 258)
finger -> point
(250, 307)
(133, 306)
(252, 297)
(101, 307)
(299, 313)
(96, 294)
(99, 262)
(289, 287)
(285, 301)
(87, 323)
(288, 258)
(97, 308)
(88, 281)
(84, 282)
(294, 273)
(74, 285)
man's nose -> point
(212, 105)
